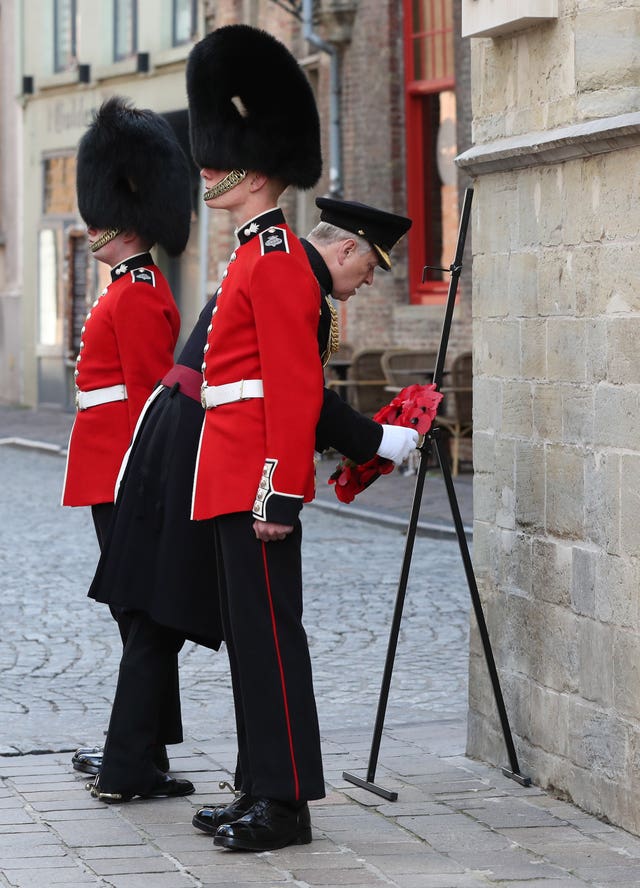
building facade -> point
(78, 56)
(556, 168)
(388, 140)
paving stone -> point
(216, 874)
(555, 835)
(427, 862)
(510, 863)
(116, 852)
(611, 874)
(564, 882)
(242, 884)
(28, 878)
(131, 865)
(80, 833)
(464, 880)
(41, 844)
(572, 857)
(361, 876)
(153, 880)
(42, 862)
(14, 816)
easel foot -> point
(513, 775)
(365, 784)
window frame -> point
(59, 64)
(120, 55)
(418, 163)
(175, 40)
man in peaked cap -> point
(380, 229)
(133, 192)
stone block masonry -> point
(557, 399)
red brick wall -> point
(373, 151)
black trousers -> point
(102, 514)
(146, 707)
(131, 693)
(279, 753)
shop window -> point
(125, 29)
(432, 196)
(59, 197)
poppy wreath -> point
(414, 407)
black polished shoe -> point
(165, 787)
(267, 826)
(87, 759)
(210, 817)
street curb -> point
(29, 444)
(423, 528)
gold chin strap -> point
(108, 235)
(230, 181)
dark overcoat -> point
(155, 558)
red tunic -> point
(264, 326)
(129, 337)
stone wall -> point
(556, 299)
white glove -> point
(397, 442)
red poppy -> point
(414, 407)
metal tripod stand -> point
(433, 440)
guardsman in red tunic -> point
(263, 390)
(160, 567)
(133, 188)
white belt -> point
(84, 400)
(216, 395)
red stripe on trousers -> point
(280, 667)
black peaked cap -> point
(383, 230)
(251, 107)
(133, 175)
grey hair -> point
(325, 234)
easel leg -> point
(514, 771)
(369, 784)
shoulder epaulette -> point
(144, 275)
(273, 240)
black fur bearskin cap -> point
(252, 107)
(133, 175)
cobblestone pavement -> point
(60, 650)
(456, 823)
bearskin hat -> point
(252, 107)
(133, 175)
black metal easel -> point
(432, 439)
